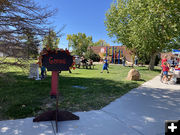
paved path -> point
(142, 111)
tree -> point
(18, 16)
(79, 43)
(91, 55)
(32, 43)
(101, 43)
(145, 26)
(51, 40)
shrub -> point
(91, 55)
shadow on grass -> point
(88, 68)
(142, 80)
(155, 70)
(25, 97)
(14, 64)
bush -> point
(145, 59)
(91, 55)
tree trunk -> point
(152, 61)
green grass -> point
(22, 97)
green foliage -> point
(101, 43)
(145, 26)
(32, 43)
(51, 40)
(79, 43)
(91, 55)
(143, 59)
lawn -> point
(22, 97)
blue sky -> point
(85, 16)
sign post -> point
(55, 61)
(54, 84)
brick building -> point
(102, 50)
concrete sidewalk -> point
(142, 111)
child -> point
(164, 60)
(43, 69)
(105, 66)
(43, 72)
(165, 71)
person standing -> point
(77, 62)
(43, 68)
(162, 64)
(136, 60)
(175, 62)
(124, 61)
(165, 67)
(164, 60)
(173, 65)
(84, 62)
(43, 72)
(105, 66)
